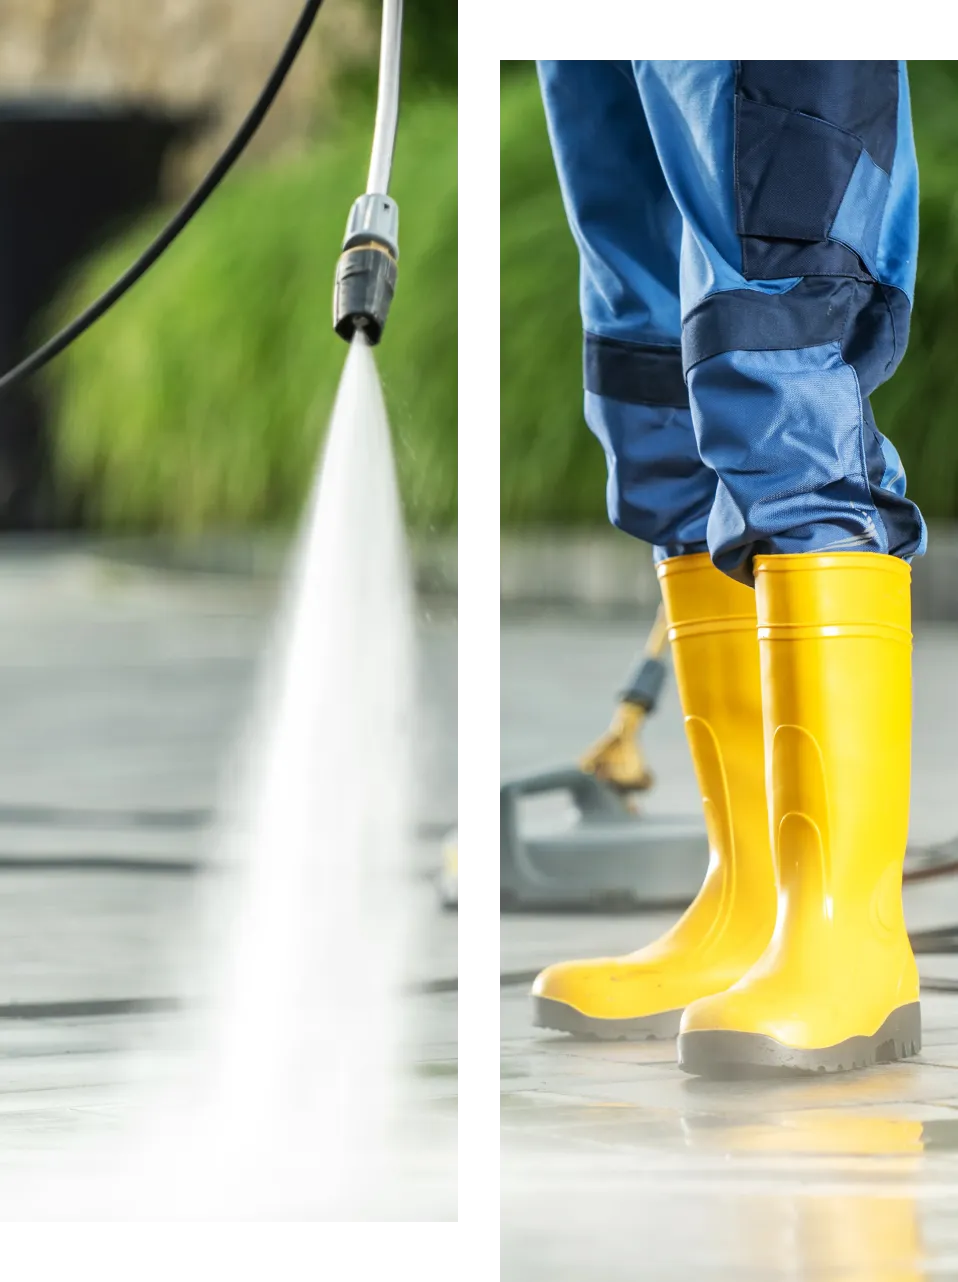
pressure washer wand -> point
(617, 758)
(366, 271)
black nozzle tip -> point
(365, 283)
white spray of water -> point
(309, 1057)
(300, 1062)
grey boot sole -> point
(724, 1055)
(548, 1013)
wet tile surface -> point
(122, 691)
(614, 1161)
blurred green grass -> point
(917, 407)
(552, 470)
(200, 402)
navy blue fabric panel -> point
(636, 374)
(812, 313)
(876, 335)
(859, 97)
(871, 322)
(782, 259)
(791, 172)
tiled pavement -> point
(121, 691)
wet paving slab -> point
(615, 1162)
(664, 1178)
(123, 690)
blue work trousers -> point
(748, 235)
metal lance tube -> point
(366, 271)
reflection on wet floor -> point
(606, 1223)
(617, 1165)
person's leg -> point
(798, 188)
(837, 987)
(629, 231)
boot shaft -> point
(715, 655)
(835, 639)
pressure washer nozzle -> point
(365, 280)
(366, 271)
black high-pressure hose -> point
(235, 148)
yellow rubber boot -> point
(712, 627)
(837, 987)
